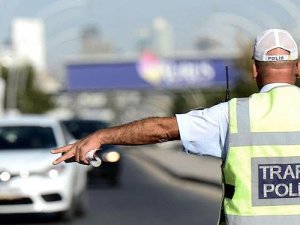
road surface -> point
(146, 196)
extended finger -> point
(62, 149)
(64, 157)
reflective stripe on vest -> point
(264, 220)
(263, 160)
(245, 137)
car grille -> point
(17, 201)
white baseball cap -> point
(271, 39)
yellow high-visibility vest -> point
(261, 173)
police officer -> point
(257, 138)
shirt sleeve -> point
(203, 132)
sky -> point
(119, 20)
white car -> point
(29, 183)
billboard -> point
(149, 72)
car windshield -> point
(26, 137)
(82, 128)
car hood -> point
(30, 160)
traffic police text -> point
(279, 181)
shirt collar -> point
(268, 87)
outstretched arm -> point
(146, 131)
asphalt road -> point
(146, 196)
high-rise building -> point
(143, 39)
(162, 36)
(157, 38)
(28, 41)
(92, 41)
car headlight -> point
(55, 171)
(5, 176)
(111, 156)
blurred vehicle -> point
(110, 155)
(29, 183)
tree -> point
(27, 95)
(243, 86)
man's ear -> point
(297, 70)
(254, 71)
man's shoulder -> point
(214, 107)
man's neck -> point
(268, 87)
